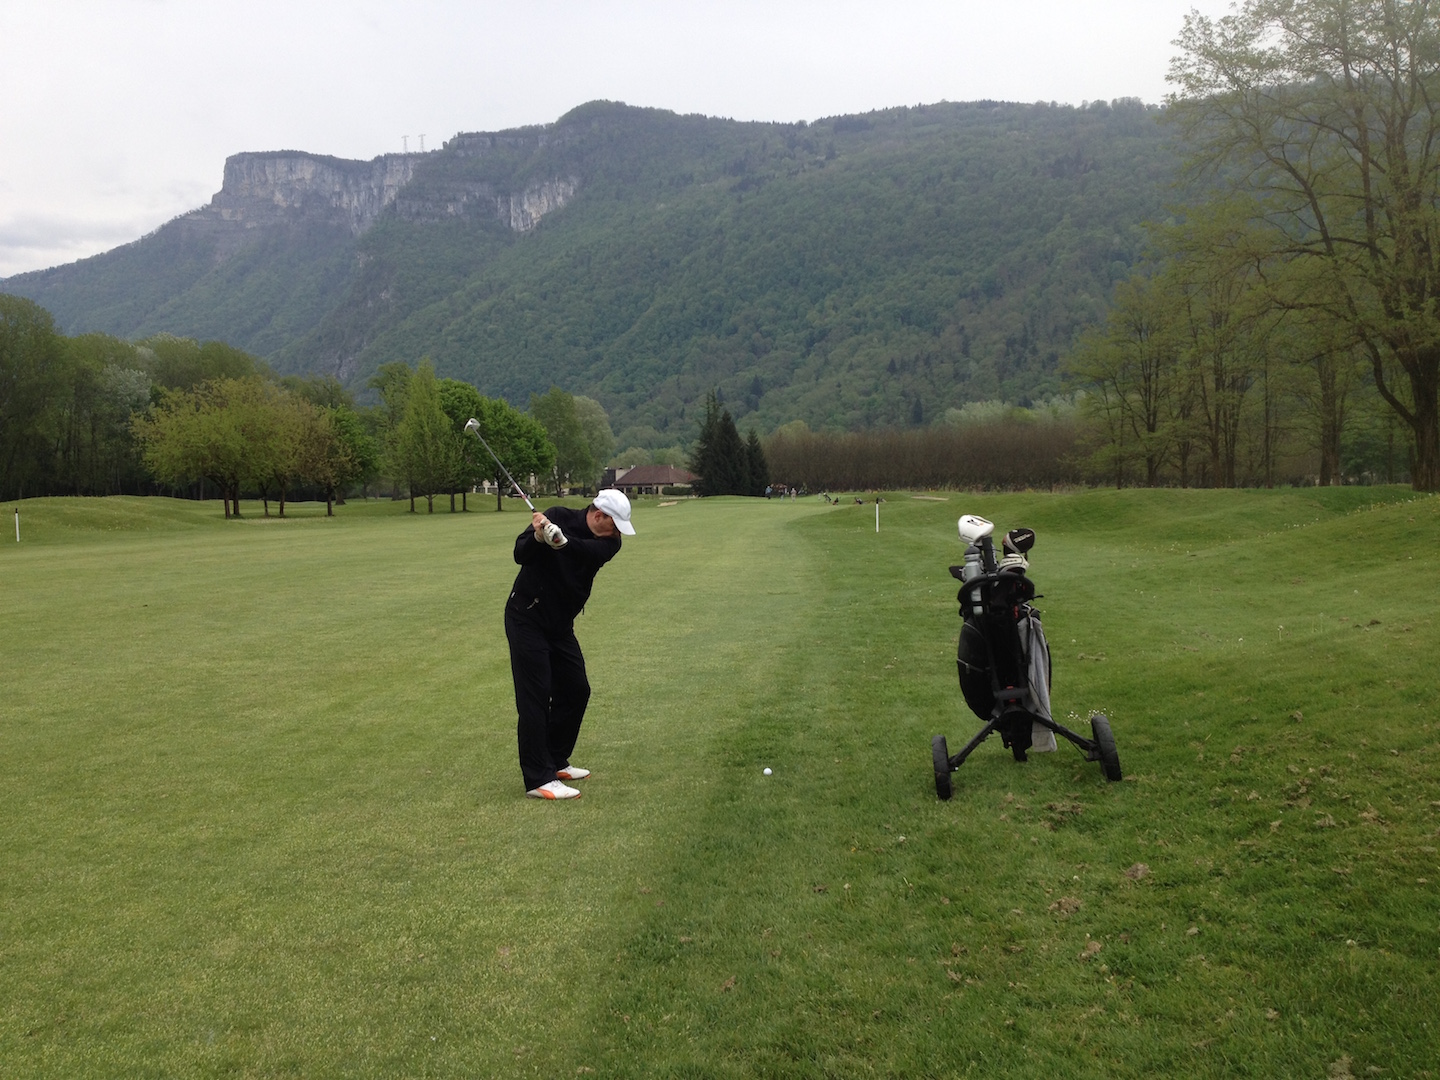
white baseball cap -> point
(614, 503)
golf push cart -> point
(1003, 659)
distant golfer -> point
(559, 556)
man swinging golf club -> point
(559, 555)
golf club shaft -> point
(476, 429)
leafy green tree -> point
(1375, 443)
(31, 355)
(461, 402)
(355, 432)
(236, 433)
(335, 451)
(96, 451)
(200, 432)
(595, 423)
(425, 443)
(284, 425)
(1318, 120)
(122, 392)
(1330, 396)
(574, 465)
(1132, 368)
(392, 381)
(518, 440)
(1222, 312)
(324, 391)
(179, 363)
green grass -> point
(260, 813)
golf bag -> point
(1003, 659)
(1004, 662)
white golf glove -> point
(554, 536)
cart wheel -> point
(1109, 758)
(940, 754)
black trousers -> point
(551, 691)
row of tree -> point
(66, 402)
(425, 446)
(1012, 450)
(1297, 307)
(563, 442)
(95, 415)
(255, 435)
(259, 436)
(1198, 377)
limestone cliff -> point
(293, 188)
(521, 211)
(285, 186)
(527, 208)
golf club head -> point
(1018, 541)
(973, 529)
(472, 425)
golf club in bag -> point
(473, 426)
(1004, 660)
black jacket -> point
(556, 584)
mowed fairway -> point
(260, 813)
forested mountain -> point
(854, 272)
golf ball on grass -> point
(767, 771)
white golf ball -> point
(767, 772)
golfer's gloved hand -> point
(554, 537)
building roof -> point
(651, 475)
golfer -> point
(559, 556)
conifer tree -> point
(720, 459)
(758, 467)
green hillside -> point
(258, 295)
(858, 271)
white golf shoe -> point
(553, 790)
(572, 772)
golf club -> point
(473, 426)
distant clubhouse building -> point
(649, 479)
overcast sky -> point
(117, 115)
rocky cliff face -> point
(284, 187)
(521, 211)
(290, 188)
(527, 208)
